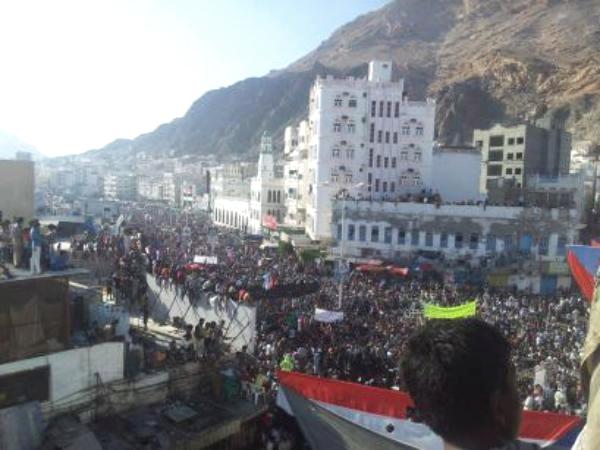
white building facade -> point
(367, 132)
(390, 230)
(252, 204)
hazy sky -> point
(77, 74)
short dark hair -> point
(451, 369)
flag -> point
(269, 280)
(583, 261)
(353, 415)
(432, 311)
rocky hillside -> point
(483, 60)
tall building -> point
(366, 138)
(120, 186)
(512, 153)
(17, 189)
(267, 197)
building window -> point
(519, 156)
(474, 241)
(387, 235)
(369, 180)
(352, 103)
(389, 109)
(351, 127)
(392, 186)
(511, 141)
(444, 240)
(351, 232)
(384, 186)
(395, 137)
(494, 170)
(376, 184)
(370, 157)
(490, 243)
(508, 171)
(386, 161)
(417, 156)
(278, 196)
(458, 240)
(350, 153)
(478, 144)
(362, 233)
(405, 131)
(348, 178)
(337, 102)
(495, 155)
(401, 237)
(414, 237)
(334, 177)
(404, 179)
(381, 108)
(393, 162)
(335, 152)
(520, 140)
(518, 171)
(372, 133)
(428, 239)
(510, 156)
(397, 109)
(374, 233)
(404, 156)
(419, 131)
(387, 137)
(269, 196)
(337, 127)
(543, 246)
(378, 161)
(497, 141)
(339, 232)
(379, 136)
(373, 108)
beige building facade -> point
(17, 189)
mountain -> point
(9, 145)
(484, 61)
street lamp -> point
(345, 191)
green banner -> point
(449, 312)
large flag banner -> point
(324, 315)
(583, 261)
(341, 415)
(431, 311)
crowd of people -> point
(380, 312)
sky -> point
(77, 74)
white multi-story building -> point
(267, 195)
(120, 186)
(296, 174)
(367, 132)
(264, 203)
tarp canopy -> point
(432, 311)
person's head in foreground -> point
(461, 378)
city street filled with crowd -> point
(380, 311)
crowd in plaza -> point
(380, 312)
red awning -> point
(400, 271)
(371, 268)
